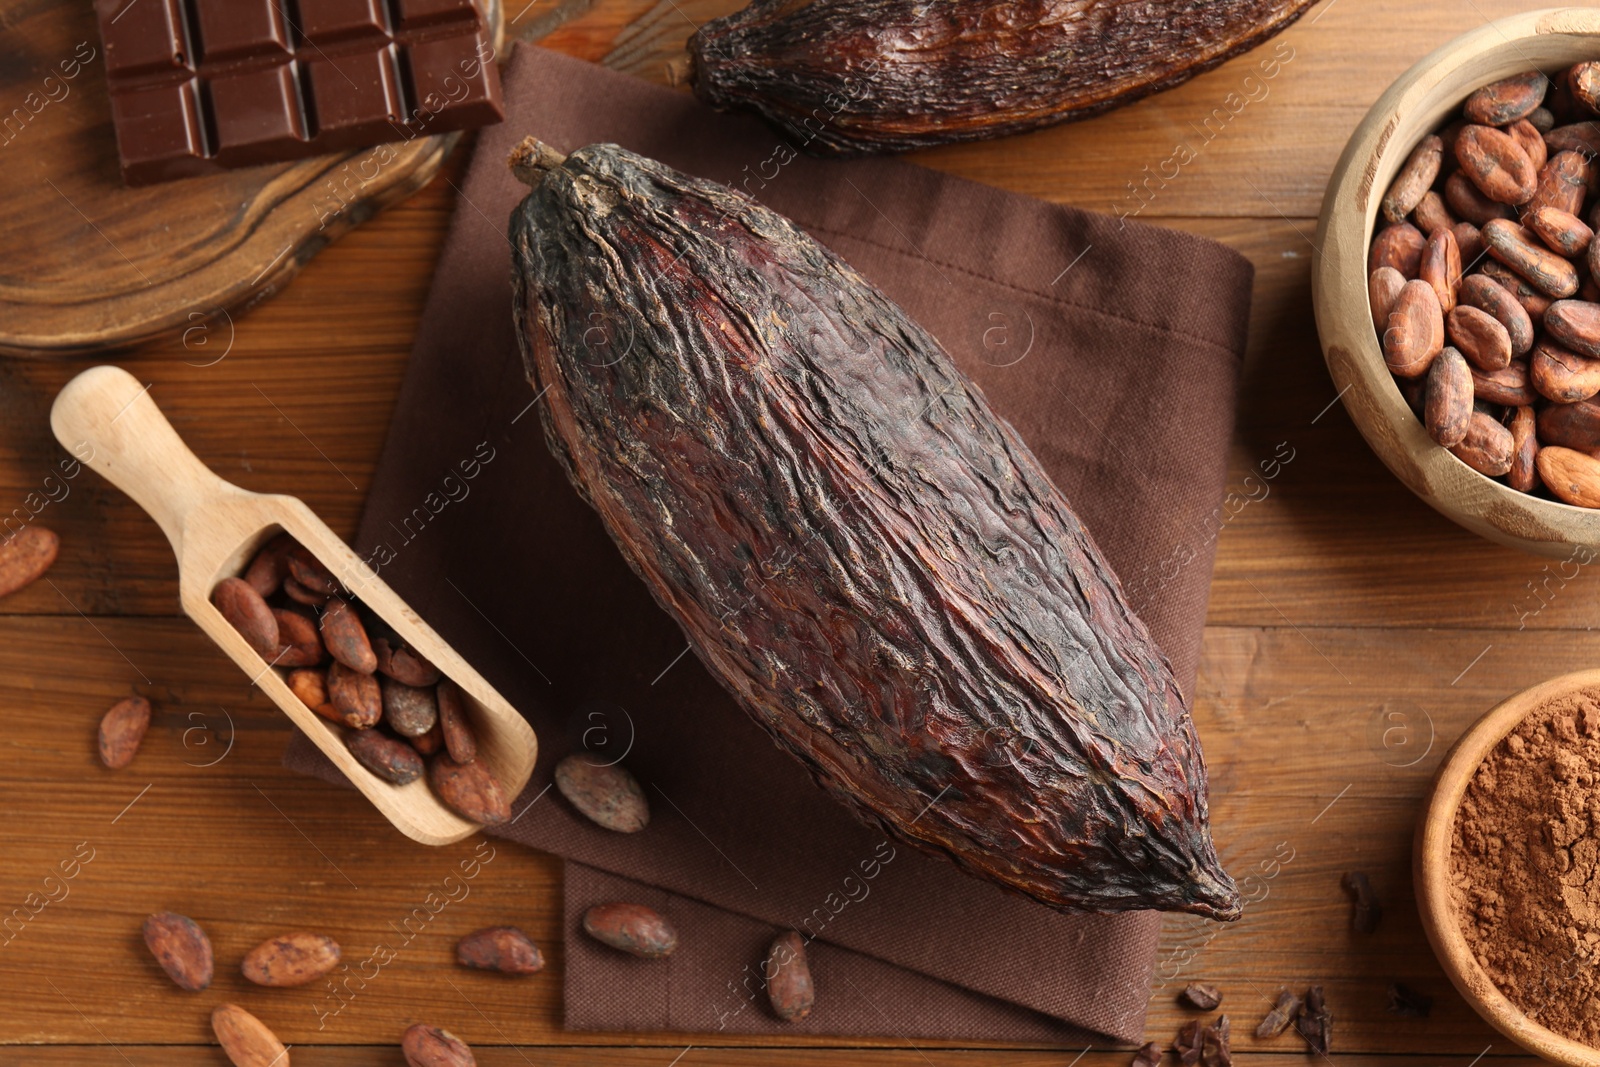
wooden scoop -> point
(216, 528)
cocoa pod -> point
(1383, 287)
(291, 959)
(389, 758)
(1504, 102)
(122, 728)
(1487, 447)
(1415, 333)
(429, 1046)
(1416, 177)
(300, 645)
(503, 949)
(409, 710)
(1580, 137)
(243, 609)
(181, 948)
(1575, 324)
(1470, 240)
(355, 696)
(603, 207)
(245, 1039)
(1572, 476)
(1479, 336)
(633, 928)
(1561, 375)
(309, 571)
(1399, 246)
(790, 990)
(1561, 231)
(25, 556)
(1583, 79)
(1532, 300)
(1469, 203)
(1530, 141)
(301, 595)
(403, 664)
(455, 726)
(1524, 474)
(266, 572)
(1441, 268)
(1541, 119)
(469, 789)
(1561, 184)
(345, 638)
(1431, 214)
(311, 686)
(1519, 249)
(432, 741)
(1484, 293)
(1497, 165)
(1575, 426)
(1509, 385)
(607, 794)
(1449, 404)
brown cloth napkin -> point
(1112, 348)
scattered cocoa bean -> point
(607, 794)
(122, 728)
(408, 710)
(1441, 267)
(1315, 1023)
(1576, 325)
(244, 609)
(181, 948)
(1496, 164)
(1487, 447)
(354, 696)
(25, 556)
(1365, 909)
(1383, 287)
(1189, 1043)
(429, 1046)
(790, 990)
(1281, 1017)
(1399, 246)
(389, 758)
(1562, 375)
(454, 722)
(1216, 1044)
(345, 638)
(1200, 996)
(1403, 1000)
(1415, 333)
(1148, 1055)
(1574, 477)
(309, 571)
(504, 949)
(291, 959)
(1564, 232)
(1520, 249)
(299, 644)
(1484, 293)
(267, 571)
(1507, 100)
(469, 789)
(1416, 177)
(245, 1039)
(633, 928)
(1524, 474)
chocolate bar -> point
(199, 86)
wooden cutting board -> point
(89, 265)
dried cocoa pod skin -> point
(1561, 231)
(25, 556)
(291, 959)
(837, 77)
(181, 948)
(1508, 385)
(1479, 336)
(1521, 250)
(1431, 214)
(1575, 324)
(1524, 474)
(355, 696)
(1532, 300)
(267, 571)
(790, 990)
(389, 758)
(300, 644)
(1487, 447)
(1575, 426)
(122, 728)
(1561, 184)
(1441, 268)
(632, 928)
(1470, 240)
(1530, 141)
(1416, 177)
(502, 949)
(244, 610)
(1449, 405)
(1573, 477)
(455, 727)
(245, 1039)
(469, 789)
(1415, 333)
(431, 1046)
(1496, 164)
(1469, 203)
(345, 638)
(606, 794)
(1383, 288)
(741, 410)
(1399, 246)
(1507, 100)
(1561, 375)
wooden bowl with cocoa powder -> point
(1439, 895)
(1413, 107)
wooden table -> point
(1353, 633)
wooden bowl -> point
(1431, 861)
(1414, 106)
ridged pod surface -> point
(854, 543)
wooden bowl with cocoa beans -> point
(1455, 290)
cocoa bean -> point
(455, 725)
(1509, 385)
(1470, 204)
(1504, 102)
(1562, 375)
(1530, 141)
(403, 664)
(245, 1039)
(389, 758)
(1496, 164)
(1470, 240)
(503, 949)
(429, 743)
(122, 728)
(25, 556)
(291, 959)
(181, 948)
(1479, 336)
(469, 789)
(311, 686)
(409, 710)
(1541, 119)
(1431, 213)
(1562, 231)
(1584, 81)
(1441, 267)
(266, 572)
(1575, 324)
(1561, 184)
(244, 609)
(1383, 287)
(355, 696)
(1487, 446)
(1415, 333)
(301, 595)
(632, 928)
(299, 643)
(1524, 474)
(345, 638)
(1399, 246)
(1484, 293)
(1574, 477)
(1519, 249)
(607, 794)
(788, 975)
(1581, 137)
(1416, 177)
(1575, 426)
(429, 1046)
(1532, 300)
(310, 572)
(1449, 403)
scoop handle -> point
(106, 418)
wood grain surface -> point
(1353, 634)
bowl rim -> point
(1431, 873)
(1347, 220)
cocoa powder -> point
(1525, 865)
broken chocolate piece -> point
(1200, 996)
